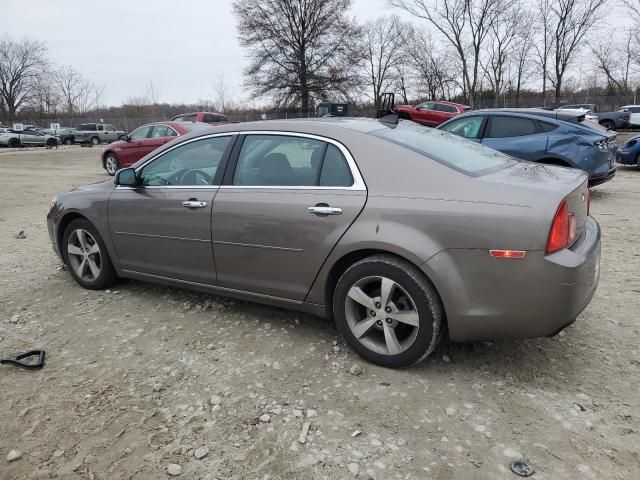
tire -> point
(608, 124)
(52, 143)
(95, 141)
(111, 164)
(14, 143)
(412, 297)
(68, 141)
(81, 266)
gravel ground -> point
(139, 379)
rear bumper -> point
(601, 178)
(489, 298)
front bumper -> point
(488, 298)
(51, 227)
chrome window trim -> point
(358, 181)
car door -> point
(442, 112)
(517, 136)
(134, 148)
(110, 134)
(424, 113)
(163, 226)
(160, 135)
(286, 201)
(31, 138)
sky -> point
(182, 46)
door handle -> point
(194, 204)
(324, 210)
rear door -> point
(424, 113)
(163, 227)
(517, 136)
(286, 201)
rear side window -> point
(451, 150)
(208, 118)
(87, 127)
(189, 118)
(335, 169)
(443, 107)
(159, 131)
(547, 127)
(502, 127)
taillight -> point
(563, 229)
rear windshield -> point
(463, 155)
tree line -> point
(302, 52)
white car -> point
(588, 114)
(634, 110)
(15, 139)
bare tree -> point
(382, 42)
(570, 21)
(152, 93)
(21, 64)
(221, 92)
(499, 47)
(615, 58)
(464, 24)
(521, 58)
(431, 67)
(300, 49)
(46, 98)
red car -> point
(204, 117)
(432, 113)
(142, 141)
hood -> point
(104, 185)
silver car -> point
(15, 139)
(397, 232)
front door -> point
(135, 147)
(286, 201)
(163, 226)
(520, 137)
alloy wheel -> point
(382, 315)
(111, 164)
(84, 255)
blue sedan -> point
(554, 138)
(629, 152)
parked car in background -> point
(431, 114)
(97, 133)
(588, 114)
(634, 111)
(331, 109)
(66, 135)
(144, 140)
(610, 120)
(15, 139)
(552, 138)
(629, 152)
(203, 117)
(305, 214)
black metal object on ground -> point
(18, 360)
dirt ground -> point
(139, 377)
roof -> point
(567, 116)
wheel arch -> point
(551, 160)
(108, 151)
(64, 222)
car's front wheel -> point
(388, 311)
(14, 143)
(111, 164)
(95, 141)
(86, 256)
(68, 141)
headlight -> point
(53, 202)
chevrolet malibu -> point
(395, 231)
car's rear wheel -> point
(68, 141)
(609, 125)
(51, 142)
(14, 143)
(111, 164)
(86, 256)
(95, 141)
(388, 311)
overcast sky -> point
(182, 45)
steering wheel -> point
(195, 177)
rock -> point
(157, 387)
(401, 442)
(312, 413)
(215, 409)
(201, 452)
(356, 433)
(21, 235)
(58, 453)
(174, 470)
(211, 346)
(302, 438)
(353, 468)
(336, 349)
(355, 370)
(510, 453)
(450, 411)
(445, 358)
(265, 418)
(14, 455)
(14, 318)
(297, 413)
(215, 400)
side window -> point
(178, 119)
(502, 127)
(191, 164)
(171, 132)
(159, 131)
(140, 133)
(109, 128)
(208, 118)
(445, 108)
(189, 118)
(335, 169)
(278, 160)
(465, 127)
(100, 128)
(547, 127)
(426, 106)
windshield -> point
(463, 155)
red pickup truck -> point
(432, 113)
(203, 117)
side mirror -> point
(124, 138)
(126, 177)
